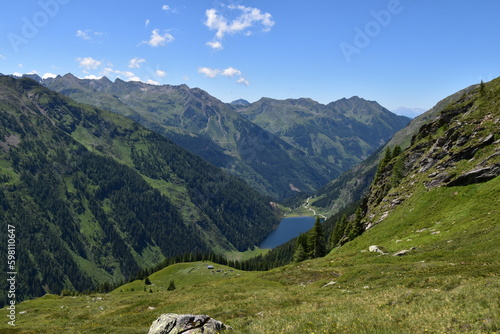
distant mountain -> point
(207, 127)
(338, 135)
(409, 112)
(240, 103)
(314, 151)
(96, 197)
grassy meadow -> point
(449, 284)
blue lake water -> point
(288, 228)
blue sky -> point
(408, 53)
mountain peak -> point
(240, 103)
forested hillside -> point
(95, 197)
(278, 147)
(205, 126)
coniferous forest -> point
(96, 198)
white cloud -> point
(209, 72)
(146, 24)
(88, 34)
(20, 65)
(82, 34)
(49, 75)
(158, 39)
(136, 62)
(247, 19)
(17, 74)
(2, 56)
(152, 82)
(165, 7)
(134, 79)
(243, 81)
(160, 73)
(230, 72)
(126, 74)
(88, 63)
(92, 77)
(216, 45)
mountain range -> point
(278, 147)
(97, 197)
(420, 254)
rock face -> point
(186, 323)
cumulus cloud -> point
(160, 73)
(165, 7)
(230, 72)
(146, 24)
(152, 82)
(88, 63)
(136, 62)
(247, 19)
(216, 45)
(92, 77)
(17, 74)
(158, 39)
(243, 81)
(49, 75)
(209, 72)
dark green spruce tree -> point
(301, 248)
(316, 241)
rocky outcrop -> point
(377, 249)
(477, 175)
(172, 323)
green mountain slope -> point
(205, 126)
(339, 135)
(354, 184)
(95, 197)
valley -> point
(422, 241)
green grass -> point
(448, 285)
(242, 256)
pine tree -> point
(338, 232)
(301, 249)
(397, 171)
(396, 151)
(481, 88)
(316, 241)
(171, 286)
(387, 158)
(355, 226)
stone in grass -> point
(171, 323)
(377, 249)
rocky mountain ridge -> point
(315, 150)
(460, 147)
